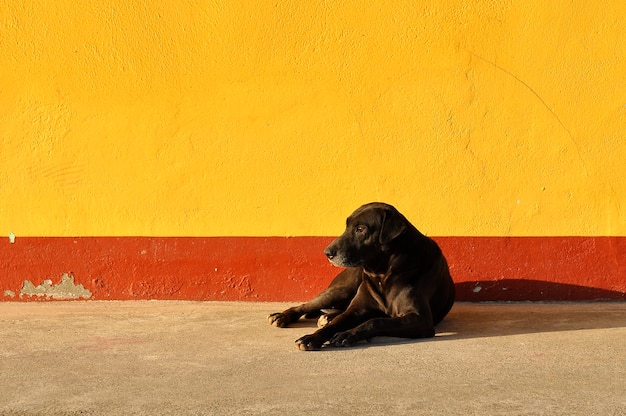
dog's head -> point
(368, 231)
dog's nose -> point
(330, 253)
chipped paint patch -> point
(66, 289)
(9, 294)
(11, 238)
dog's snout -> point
(331, 253)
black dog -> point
(396, 283)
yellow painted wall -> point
(252, 118)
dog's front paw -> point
(279, 319)
(309, 343)
(343, 339)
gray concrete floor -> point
(205, 358)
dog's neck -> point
(397, 255)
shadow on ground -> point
(479, 320)
(492, 320)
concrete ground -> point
(209, 358)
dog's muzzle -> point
(338, 259)
(331, 255)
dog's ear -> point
(392, 226)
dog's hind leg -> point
(327, 316)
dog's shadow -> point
(471, 320)
(479, 320)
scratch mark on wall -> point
(66, 289)
(529, 88)
(66, 175)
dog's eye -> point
(360, 229)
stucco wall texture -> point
(227, 119)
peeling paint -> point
(9, 293)
(66, 289)
(11, 238)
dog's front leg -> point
(408, 326)
(345, 321)
(336, 296)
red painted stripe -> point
(537, 268)
(294, 268)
